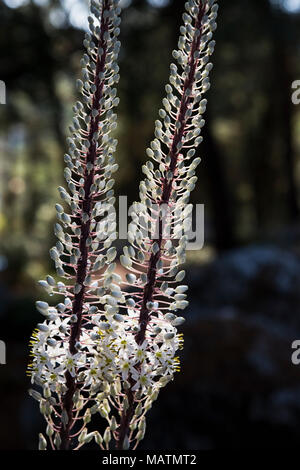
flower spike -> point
(63, 346)
(153, 260)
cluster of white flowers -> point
(106, 349)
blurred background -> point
(238, 388)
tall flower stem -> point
(85, 226)
(167, 184)
(66, 347)
(182, 123)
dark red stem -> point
(126, 417)
(86, 207)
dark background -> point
(238, 387)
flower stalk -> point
(82, 268)
(63, 346)
(164, 199)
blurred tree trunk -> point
(285, 80)
(281, 33)
(274, 121)
(220, 194)
(260, 151)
